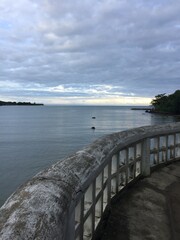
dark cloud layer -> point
(94, 52)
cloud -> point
(94, 49)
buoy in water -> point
(93, 128)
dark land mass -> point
(164, 104)
(152, 110)
(2, 103)
(167, 104)
(163, 113)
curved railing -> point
(67, 200)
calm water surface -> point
(34, 137)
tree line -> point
(2, 103)
(167, 103)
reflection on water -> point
(32, 138)
(159, 119)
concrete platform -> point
(148, 210)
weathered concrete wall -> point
(39, 209)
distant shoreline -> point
(163, 113)
(2, 103)
(151, 110)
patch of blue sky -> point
(5, 24)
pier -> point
(142, 108)
(74, 199)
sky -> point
(94, 52)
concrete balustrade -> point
(67, 200)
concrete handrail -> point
(67, 200)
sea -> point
(32, 138)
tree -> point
(167, 104)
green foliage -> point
(167, 104)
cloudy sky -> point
(110, 52)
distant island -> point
(2, 103)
